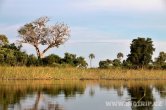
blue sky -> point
(102, 27)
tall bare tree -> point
(38, 33)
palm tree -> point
(120, 56)
(91, 56)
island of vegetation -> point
(16, 64)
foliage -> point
(105, 64)
(11, 54)
(80, 62)
(32, 60)
(116, 63)
(73, 60)
(38, 33)
(51, 59)
(3, 40)
(12, 57)
(161, 59)
(141, 51)
(13, 46)
(91, 56)
(120, 55)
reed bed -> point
(52, 73)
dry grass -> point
(48, 73)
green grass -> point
(48, 73)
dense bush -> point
(105, 64)
(11, 55)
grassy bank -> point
(48, 73)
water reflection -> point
(12, 92)
(59, 95)
(141, 95)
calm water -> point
(82, 95)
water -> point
(82, 95)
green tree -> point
(3, 40)
(105, 64)
(73, 60)
(91, 57)
(141, 51)
(69, 59)
(12, 56)
(120, 56)
(51, 59)
(32, 60)
(21, 58)
(10, 59)
(13, 46)
(80, 62)
(116, 63)
(38, 33)
(161, 59)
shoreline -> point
(53, 73)
(12, 79)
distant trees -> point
(11, 54)
(112, 63)
(38, 33)
(120, 56)
(160, 61)
(116, 63)
(91, 57)
(51, 59)
(141, 51)
(3, 40)
(73, 60)
(105, 64)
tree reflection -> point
(11, 94)
(141, 97)
(161, 88)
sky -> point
(102, 27)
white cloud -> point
(121, 5)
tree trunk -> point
(38, 97)
(39, 54)
(90, 63)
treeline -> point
(140, 56)
(11, 55)
(141, 51)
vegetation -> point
(140, 57)
(120, 56)
(37, 33)
(160, 61)
(3, 40)
(112, 63)
(11, 55)
(105, 64)
(141, 51)
(91, 57)
(61, 73)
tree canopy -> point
(3, 39)
(91, 56)
(141, 51)
(37, 33)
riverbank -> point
(51, 73)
